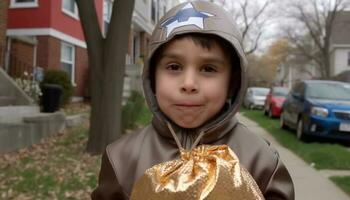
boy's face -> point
(192, 82)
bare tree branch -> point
(255, 44)
(250, 23)
(317, 18)
(245, 17)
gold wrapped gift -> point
(206, 172)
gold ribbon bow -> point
(206, 172)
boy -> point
(194, 82)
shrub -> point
(132, 110)
(61, 78)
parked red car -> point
(274, 101)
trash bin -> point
(51, 97)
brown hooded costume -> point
(126, 160)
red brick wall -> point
(49, 57)
(3, 26)
(21, 58)
(48, 52)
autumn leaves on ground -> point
(57, 168)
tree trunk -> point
(107, 65)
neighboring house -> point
(146, 14)
(296, 68)
(47, 34)
(340, 43)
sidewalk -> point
(309, 184)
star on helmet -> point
(188, 15)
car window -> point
(328, 90)
(281, 92)
(260, 91)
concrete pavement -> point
(309, 184)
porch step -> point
(15, 135)
(15, 114)
(7, 100)
(9, 89)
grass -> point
(57, 168)
(76, 108)
(321, 155)
(343, 182)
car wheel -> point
(282, 123)
(300, 131)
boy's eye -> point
(209, 68)
(173, 66)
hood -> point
(196, 17)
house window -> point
(70, 8)
(24, 3)
(107, 13)
(68, 60)
(349, 58)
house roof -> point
(341, 28)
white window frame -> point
(68, 61)
(74, 14)
(107, 19)
(15, 4)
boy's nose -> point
(189, 84)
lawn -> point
(57, 168)
(76, 108)
(320, 155)
(342, 182)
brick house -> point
(45, 34)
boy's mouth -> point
(189, 105)
(193, 108)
